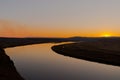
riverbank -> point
(7, 68)
(107, 52)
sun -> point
(106, 35)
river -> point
(39, 62)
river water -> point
(39, 62)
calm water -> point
(39, 62)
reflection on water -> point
(39, 62)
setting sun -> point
(106, 35)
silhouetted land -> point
(89, 49)
(13, 42)
(104, 50)
(7, 68)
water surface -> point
(39, 62)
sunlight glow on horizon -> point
(106, 35)
(14, 29)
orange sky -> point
(59, 18)
(14, 29)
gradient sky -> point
(59, 18)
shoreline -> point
(7, 68)
(79, 51)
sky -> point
(59, 18)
